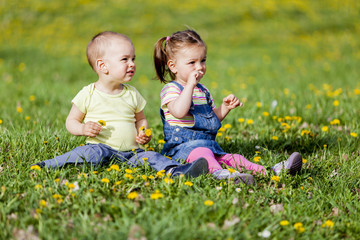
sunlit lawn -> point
(294, 64)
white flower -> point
(238, 189)
(218, 188)
(265, 234)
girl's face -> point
(188, 60)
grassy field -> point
(293, 63)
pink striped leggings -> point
(233, 160)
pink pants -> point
(233, 160)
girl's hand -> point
(231, 102)
(91, 129)
(195, 77)
(142, 138)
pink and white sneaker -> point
(293, 165)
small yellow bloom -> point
(188, 183)
(304, 161)
(46, 142)
(19, 109)
(325, 146)
(222, 129)
(71, 186)
(118, 183)
(257, 159)
(275, 178)
(299, 227)
(95, 172)
(115, 167)
(357, 91)
(35, 167)
(59, 201)
(208, 203)
(231, 170)
(335, 122)
(38, 186)
(57, 180)
(129, 171)
(102, 123)
(241, 120)
(325, 128)
(132, 195)
(56, 196)
(27, 118)
(161, 141)
(1, 121)
(336, 103)
(129, 176)
(32, 98)
(91, 190)
(160, 173)
(156, 195)
(328, 223)
(219, 134)
(148, 132)
(42, 203)
(258, 104)
(284, 223)
(105, 180)
(308, 106)
(353, 134)
(266, 114)
(227, 126)
(168, 180)
(82, 175)
(275, 138)
(250, 121)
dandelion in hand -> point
(102, 123)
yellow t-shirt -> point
(118, 112)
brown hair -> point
(98, 44)
(166, 48)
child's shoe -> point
(248, 179)
(194, 169)
(293, 164)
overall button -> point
(177, 129)
(176, 138)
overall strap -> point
(207, 94)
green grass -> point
(301, 55)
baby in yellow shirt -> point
(110, 114)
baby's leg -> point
(93, 154)
(208, 155)
(238, 161)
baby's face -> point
(119, 60)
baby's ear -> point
(172, 66)
(101, 67)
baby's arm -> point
(140, 121)
(230, 102)
(75, 126)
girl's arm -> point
(181, 105)
(230, 102)
(75, 126)
(141, 126)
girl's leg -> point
(238, 161)
(208, 155)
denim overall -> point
(180, 141)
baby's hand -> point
(143, 137)
(232, 102)
(91, 129)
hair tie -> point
(167, 39)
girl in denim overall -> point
(190, 119)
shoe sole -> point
(245, 178)
(198, 168)
(294, 163)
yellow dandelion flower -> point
(105, 180)
(129, 176)
(156, 195)
(144, 177)
(304, 161)
(266, 114)
(151, 177)
(161, 141)
(19, 109)
(231, 170)
(35, 167)
(57, 180)
(353, 134)
(160, 173)
(335, 122)
(145, 159)
(59, 201)
(102, 123)
(357, 91)
(284, 223)
(286, 91)
(56, 196)
(168, 180)
(325, 146)
(227, 126)
(241, 120)
(299, 227)
(42, 203)
(38, 186)
(275, 138)
(32, 98)
(115, 167)
(308, 106)
(22, 67)
(27, 118)
(336, 103)
(219, 134)
(257, 159)
(250, 121)
(188, 183)
(132, 195)
(328, 223)
(71, 186)
(82, 175)
(222, 129)
(91, 190)
(129, 171)
(258, 104)
(95, 172)
(46, 142)
(325, 128)
(275, 178)
(148, 132)
(208, 203)
(1, 121)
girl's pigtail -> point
(160, 60)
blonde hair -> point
(166, 48)
(99, 43)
